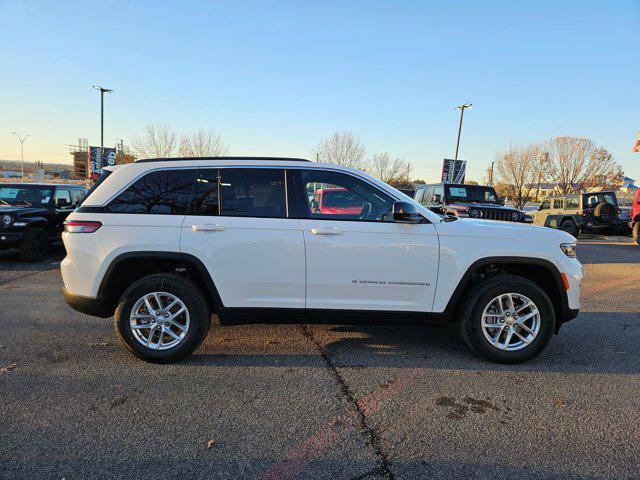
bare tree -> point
(576, 164)
(159, 141)
(516, 171)
(203, 143)
(342, 148)
(394, 171)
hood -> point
(478, 228)
(20, 210)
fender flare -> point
(564, 312)
(209, 287)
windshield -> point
(25, 195)
(340, 198)
(472, 194)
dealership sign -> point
(97, 160)
(453, 171)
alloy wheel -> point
(510, 322)
(159, 320)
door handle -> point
(326, 231)
(208, 227)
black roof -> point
(173, 159)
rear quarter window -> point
(164, 192)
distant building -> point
(9, 174)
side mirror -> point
(62, 202)
(406, 212)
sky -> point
(274, 78)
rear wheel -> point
(507, 319)
(34, 245)
(162, 318)
(570, 227)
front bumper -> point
(9, 239)
(96, 307)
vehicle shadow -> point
(10, 259)
(602, 253)
(584, 345)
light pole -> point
(461, 108)
(21, 151)
(102, 92)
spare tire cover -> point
(605, 211)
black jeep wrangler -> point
(462, 200)
(32, 216)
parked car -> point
(162, 244)
(634, 224)
(32, 215)
(462, 200)
(580, 212)
(334, 201)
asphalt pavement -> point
(307, 402)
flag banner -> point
(636, 146)
(453, 171)
(96, 160)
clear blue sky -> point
(275, 77)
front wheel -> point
(507, 319)
(162, 318)
(636, 232)
(34, 245)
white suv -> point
(161, 245)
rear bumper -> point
(96, 307)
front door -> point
(357, 257)
(247, 236)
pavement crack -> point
(384, 467)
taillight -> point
(81, 226)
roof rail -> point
(174, 159)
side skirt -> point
(243, 316)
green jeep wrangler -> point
(580, 212)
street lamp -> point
(21, 151)
(461, 108)
(102, 92)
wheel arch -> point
(129, 267)
(540, 271)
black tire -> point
(636, 232)
(481, 294)
(34, 245)
(570, 227)
(184, 289)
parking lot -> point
(320, 401)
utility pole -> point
(21, 151)
(491, 175)
(102, 92)
(461, 108)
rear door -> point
(363, 260)
(244, 229)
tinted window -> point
(24, 194)
(337, 196)
(573, 202)
(557, 203)
(241, 192)
(593, 199)
(471, 193)
(165, 192)
(252, 192)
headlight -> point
(569, 249)
(515, 217)
(475, 213)
(6, 220)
